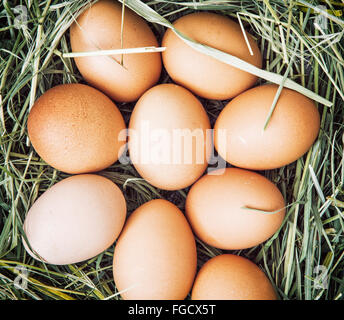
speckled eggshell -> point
(160, 152)
(155, 256)
(232, 277)
(239, 134)
(75, 220)
(76, 129)
(204, 75)
(216, 208)
(99, 28)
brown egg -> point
(75, 128)
(155, 256)
(75, 220)
(99, 28)
(200, 73)
(231, 277)
(169, 141)
(239, 134)
(219, 208)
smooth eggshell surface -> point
(204, 75)
(239, 134)
(155, 256)
(216, 207)
(75, 220)
(169, 141)
(231, 277)
(125, 77)
(76, 129)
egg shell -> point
(239, 134)
(202, 74)
(155, 256)
(216, 207)
(76, 129)
(99, 28)
(159, 151)
(232, 277)
(75, 220)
